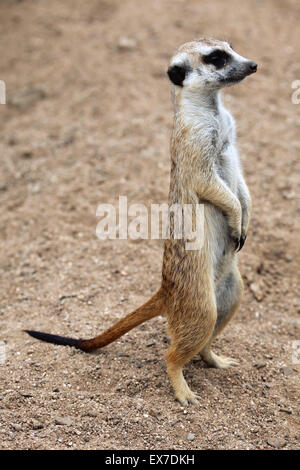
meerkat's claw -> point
(236, 242)
(186, 399)
(242, 242)
(225, 362)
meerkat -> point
(200, 289)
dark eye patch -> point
(217, 58)
(178, 73)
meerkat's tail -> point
(151, 309)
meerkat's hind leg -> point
(182, 391)
(228, 300)
(187, 340)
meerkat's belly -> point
(216, 224)
(220, 247)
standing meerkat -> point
(201, 289)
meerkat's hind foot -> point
(184, 394)
(182, 391)
(219, 362)
(187, 397)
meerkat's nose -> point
(252, 67)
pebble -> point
(26, 394)
(191, 436)
(276, 442)
(126, 43)
(260, 365)
(63, 421)
(16, 427)
(286, 370)
(256, 291)
(91, 414)
(35, 424)
(283, 410)
(27, 97)
(26, 154)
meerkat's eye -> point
(217, 58)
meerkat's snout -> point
(252, 67)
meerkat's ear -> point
(177, 74)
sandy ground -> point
(88, 118)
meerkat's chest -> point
(226, 157)
(224, 162)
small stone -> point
(276, 442)
(26, 154)
(140, 405)
(26, 394)
(25, 98)
(35, 424)
(16, 427)
(91, 414)
(174, 421)
(151, 342)
(126, 43)
(283, 410)
(191, 436)
(256, 291)
(63, 421)
(286, 370)
(260, 365)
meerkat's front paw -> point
(219, 362)
(236, 238)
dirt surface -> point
(88, 118)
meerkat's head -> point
(208, 64)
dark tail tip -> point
(54, 339)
